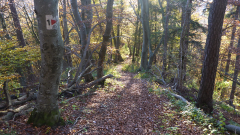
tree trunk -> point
(87, 14)
(236, 70)
(46, 111)
(118, 57)
(210, 63)
(4, 26)
(165, 38)
(135, 42)
(186, 41)
(232, 40)
(67, 55)
(146, 32)
(83, 31)
(182, 46)
(31, 76)
(16, 23)
(106, 37)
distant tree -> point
(87, 17)
(232, 40)
(106, 37)
(46, 111)
(210, 63)
(3, 22)
(67, 55)
(237, 67)
(118, 56)
(146, 33)
(146, 62)
(165, 36)
(18, 28)
(183, 46)
(83, 36)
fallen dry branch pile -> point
(17, 107)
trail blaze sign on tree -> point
(50, 22)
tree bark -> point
(165, 38)
(232, 41)
(182, 51)
(67, 55)
(4, 26)
(31, 76)
(46, 111)
(87, 14)
(210, 63)
(106, 37)
(146, 33)
(186, 41)
(236, 71)
(118, 56)
(16, 23)
(83, 32)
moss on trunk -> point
(45, 118)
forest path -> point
(124, 106)
(127, 107)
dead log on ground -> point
(88, 85)
(98, 80)
(10, 112)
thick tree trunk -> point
(215, 22)
(46, 112)
(106, 37)
(232, 40)
(146, 33)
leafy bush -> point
(13, 57)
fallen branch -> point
(32, 96)
(70, 87)
(98, 80)
(83, 95)
(11, 112)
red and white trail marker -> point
(50, 22)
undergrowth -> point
(210, 125)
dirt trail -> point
(125, 110)
(125, 106)
(128, 110)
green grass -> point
(109, 69)
(112, 69)
(124, 51)
(132, 68)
